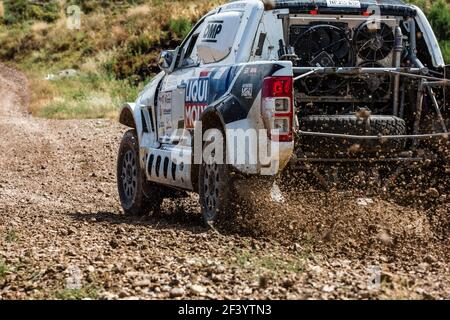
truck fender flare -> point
(131, 116)
(211, 118)
(127, 116)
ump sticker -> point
(196, 100)
(213, 29)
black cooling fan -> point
(323, 46)
(374, 45)
(372, 85)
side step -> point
(164, 169)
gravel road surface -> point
(63, 234)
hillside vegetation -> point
(438, 12)
(113, 52)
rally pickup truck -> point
(259, 86)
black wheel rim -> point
(129, 175)
(211, 182)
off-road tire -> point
(137, 196)
(352, 125)
(216, 186)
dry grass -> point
(42, 94)
(39, 27)
(141, 10)
(119, 42)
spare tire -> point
(352, 125)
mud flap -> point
(257, 188)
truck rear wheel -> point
(216, 183)
(137, 196)
(215, 189)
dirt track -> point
(61, 227)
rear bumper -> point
(415, 154)
(276, 157)
(379, 138)
(391, 159)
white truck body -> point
(218, 73)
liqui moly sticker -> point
(196, 100)
(344, 3)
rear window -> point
(218, 35)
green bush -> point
(89, 6)
(3, 269)
(18, 11)
(438, 14)
(135, 68)
(445, 45)
(180, 27)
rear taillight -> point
(277, 107)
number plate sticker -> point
(165, 113)
(344, 3)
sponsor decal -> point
(234, 6)
(204, 74)
(250, 70)
(247, 90)
(192, 113)
(165, 113)
(196, 100)
(344, 3)
(213, 29)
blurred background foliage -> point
(115, 50)
(438, 13)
